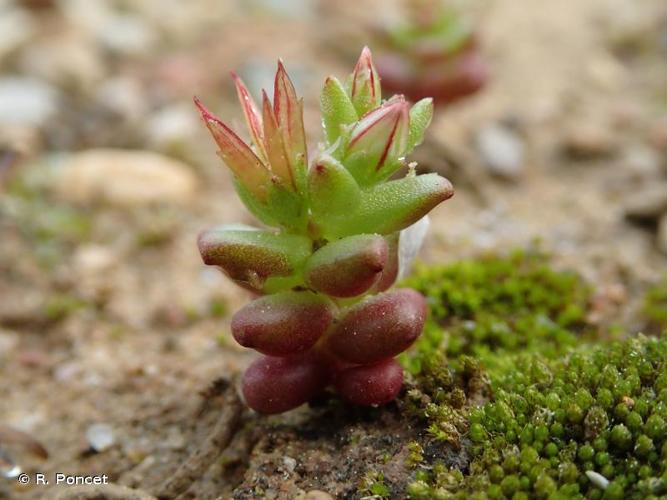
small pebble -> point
(289, 463)
(597, 479)
(125, 178)
(502, 151)
(100, 437)
(588, 141)
(648, 204)
(26, 101)
(318, 495)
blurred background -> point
(551, 122)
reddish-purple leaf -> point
(275, 385)
(378, 328)
(347, 267)
(391, 268)
(283, 324)
(371, 385)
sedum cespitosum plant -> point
(325, 315)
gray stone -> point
(648, 204)
(100, 436)
(125, 178)
(26, 101)
(502, 151)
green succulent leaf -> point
(420, 118)
(337, 109)
(377, 142)
(283, 208)
(333, 193)
(250, 256)
(395, 205)
(259, 209)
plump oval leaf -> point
(371, 385)
(378, 328)
(347, 267)
(283, 324)
(275, 385)
(251, 256)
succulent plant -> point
(340, 232)
(433, 52)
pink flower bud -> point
(275, 147)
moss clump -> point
(601, 409)
(372, 485)
(655, 307)
(496, 305)
(503, 375)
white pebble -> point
(597, 479)
(100, 436)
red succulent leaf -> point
(288, 110)
(252, 116)
(237, 155)
(275, 147)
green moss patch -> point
(506, 375)
(496, 305)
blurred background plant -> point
(433, 51)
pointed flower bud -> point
(365, 91)
(420, 118)
(237, 155)
(378, 141)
